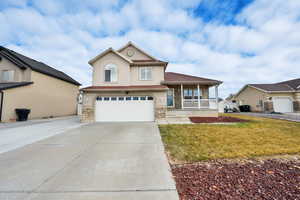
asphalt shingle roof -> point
(23, 62)
(177, 77)
(285, 86)
(295, 83)
(9, 85)
(273, 87)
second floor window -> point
(110, 73)
(8, 75)
(145, 73)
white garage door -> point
(122, 109)
(282, 104)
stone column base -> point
(296, 106)
(88, 115)
(160, 113)
(268, 106)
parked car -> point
(245, 108)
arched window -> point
(110, 73)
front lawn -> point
(258, 137)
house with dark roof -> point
(27, 83)
(129, 84)
(281, 97)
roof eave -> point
(281, 91)
(16, 86)
(130, 43)
(192, 82)
(122, 90)
(106, 52)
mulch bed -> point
(221, 119)
(270, 179)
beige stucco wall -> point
(123, 70)
(157, 76)
(127, 75)
(297, 96)
(251, 96)
(281, 95)
(137, 54)
(46, 97)
(19, 75)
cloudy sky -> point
(236, 41)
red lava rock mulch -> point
(271, 179)
(220, 119)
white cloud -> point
(66, 37)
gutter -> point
(123, 90)
(1, 104)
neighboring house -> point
(131, 85)
(27, 83)
(231, 98)
(278, 97)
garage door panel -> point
(283, 104)
(118, 111)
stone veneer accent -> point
(87, 115)
(160, 113)
(297, 106)
(268, 106)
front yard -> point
(258, 137)
(258, 159)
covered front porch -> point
(191, 95)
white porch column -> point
(181, 96)
(217, 96)
(198, 88)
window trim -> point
(140, 74)
(108, 67)
(8, 70)
(192, 96)
(173, 91)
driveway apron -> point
(95, 161)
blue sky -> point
(236, 41)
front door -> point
(170, 97)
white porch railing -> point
(204, 103)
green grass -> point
(259, 137)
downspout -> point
(1, 104)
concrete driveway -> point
(108, 161)
(295, 117)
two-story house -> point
(27, 83)
(131, 85)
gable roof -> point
(133, 45)
(294, 83)
(23, 62)
(10, 85)
(285, 86)
(177, 78)
(109, 50)
(273, 87)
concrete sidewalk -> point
(19, 134)
(111, 161)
